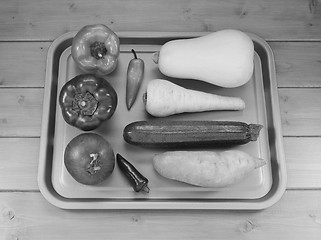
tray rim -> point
(58, 201)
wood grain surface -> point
(272, 19)
(27, 28)
(29, 216)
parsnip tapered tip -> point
(242, 107)
(259, 162)
(239, 104)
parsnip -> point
(206, 168)
(164, 98)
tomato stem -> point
(93, 166)
(94, 157)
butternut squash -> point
(223, 58)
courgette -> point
(167, 133)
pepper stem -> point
(85, 103)
(135, 55)
(98, 50)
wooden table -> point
(27, 28)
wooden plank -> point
(273, 19)
(298, 64)
(29, 216)
(20, 111)
(23, 64)
(303, 162)
(300, 111)
(19, 163)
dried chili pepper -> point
(136, 179)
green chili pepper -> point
(135, 178)
(135, 74)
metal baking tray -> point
(260, 190)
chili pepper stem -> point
(145, 189)
(135, 55)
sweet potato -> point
(206, 168)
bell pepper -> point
(86, 101)
(95, 49)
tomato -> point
(89, 158)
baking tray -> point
(261, 189)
